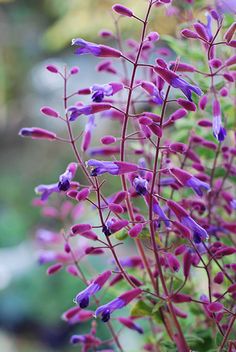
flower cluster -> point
(159, 184)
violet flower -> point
(89, 341)
(219, 131)
(76, 111)
(46, 190)
(140, 184)
(199, 233)
(101, 90)
(111, 167)
(94, 49)
(186, 179)
(152, 90)
(66, 177)
(107, 309)
(82, 299)
(175, 81)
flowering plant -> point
(160, 188)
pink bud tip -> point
(118, 225)
(90, 235)
(80, 228)
(205, 123)
(37, 133)
(46, 110)
(54, 268)
(203, 102)
(74, 70)
(122, 10)
(136, 230)
(178, 114)
(105, 34)
(232, 288)
(188, 105)
(189, 34)
(52, 68)
(152, 37)
(83, 194)
(72, 270)
(108, 140)
(219, 278)
(119, 197)
(230, 32)
(231, 61)
(215, 307)
(116, 208)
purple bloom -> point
(140, 184)
(89, 341)
(94, 49)
(161, 215)
(130, 324)
(219, 131)
(46, 190)
(66, 178)
(82, 299)
(208, 27)
(197, 185)
(113, 168)
(152, 90)
(199, 233)
(175, 81)
(88, 133)
(76, 111)
(107, 309)
(100, 91)
(233, 204)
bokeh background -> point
(32, 35)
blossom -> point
(140, 184)
(82, 298)
(111, 167)
(175, 81)
(94, 49)
(101, 90)
(63, 185)
(89, 341)
(37, 133)
(76, 111)
(219, 131)
(199, 233)
(130, 324)
(152, 90)
(186, 179)
(107, 309)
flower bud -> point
(230, 32)
(52, 68)
(231, 61)
(108, 140)
(135, 230)
(54, 268)
(215, 307)
(37, 133)
(201, 31)
(203, 102)
(122, 10)
(116, 208)
(219, 278)
(74, 70)
(189, 34)
(46, 110)
(80, 228)
(188, 105)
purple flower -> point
(94, 49)
(82, 299)
(100, 91)
(140, 184)
(66, 178)
(175, 81)
(186, 179)
(208, 26)
(76, 111)
(63, 185)
(89, 341)
(233, 204)
(161, 215)
(130, 324)
(199, 233)
(113, 168)
(88, 133)
(117, 303)
(152, 90)
(219, 131)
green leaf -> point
(141, 309)
(121, 235)
(158, 306)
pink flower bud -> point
(116, 208)
(84, 91)
(189, 34)
(177, 209)
(118, 225)
(108, 140)
(83, 194)
(181, 298)
(178, 114)
(229, 77)
(178, 147)
(52, 68)
(67, 248)
(230, 32)
(106, 34)
(72, 270)
(119, 197)
(54, 268)
(182, 67)
(107, 51)
(37, 133)
(80, 228)
(180, 249)
(203, 102)
(215, 63)
(46, 110)
(232, 43)
(122, 10)
(188, 105)
(90, 235)
(219, 278)
(232, 288)
(144, 120)
(94, 251)
(201, 31)
(187, 262)
(72, 194)
(74, 70)
(215, 307)
(183, 230)
(224, 92)
(172, 262)
(205, 123)
(152, 37)
(135, 230)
